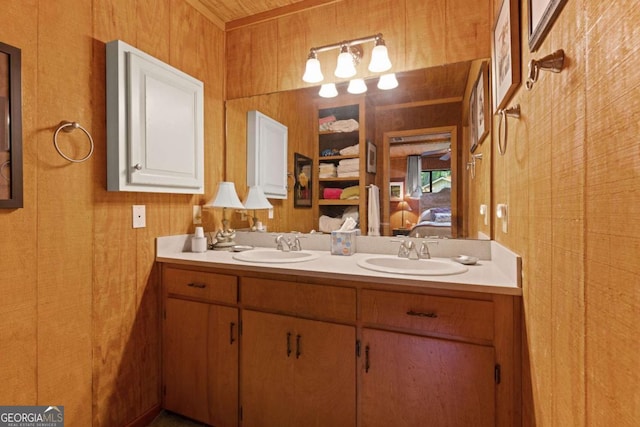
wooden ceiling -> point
(235, 13)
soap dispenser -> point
(198, 241)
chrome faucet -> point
(409, 250)
(283, 244)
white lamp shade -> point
(387, 81)
(312, 72)
(345, 68)
(357, 86)
(328, 90)
(379, 59)
(226, 197)
(256, 199)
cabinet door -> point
(413, 381)
(201, 361)
(267, 358)
(297, 372)
(324, 374)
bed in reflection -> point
(435, 216)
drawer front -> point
(201, 285)
(429, 314)
(316, 301)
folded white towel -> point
(348, 125)
(345, 162)
(348, 168)
(348, 174)
(350, 151)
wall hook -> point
(471, 166)
(553, 62)
(504, 113)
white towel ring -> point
(504, 114)
(69, 127)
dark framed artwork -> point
(505, 54)
(10, 127)
(302, 192)
(542, 15)
(479, 107)
(372, 157)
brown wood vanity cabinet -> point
(298, 362)
(200, 345)
(343, 354)
(436, 360)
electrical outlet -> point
(197, 214)
(139, 216)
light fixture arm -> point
(347, 43)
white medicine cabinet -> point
(267, 154)
(155, 124)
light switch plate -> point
(139, 216)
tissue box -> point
(344, 242)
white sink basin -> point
(420, 267)
(274, 256)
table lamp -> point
(256, 200)
(403, 206)
(226, 198)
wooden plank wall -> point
(571, 178)
(79, 318)
(295, 110)
(270, 56)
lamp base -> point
(224, 246)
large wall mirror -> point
(10, 128)
(422, 143)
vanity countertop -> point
(500, 274)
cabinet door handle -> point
(231, 328)
(288, 344)
(298, 352)
(367, 365)
(197, 285)
(429, 314)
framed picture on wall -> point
(302, 189)
(479, 107)
(396, 191)
(372, 157)
(505, 54)
(542, 15)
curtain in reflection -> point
(414, 166)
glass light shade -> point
(345, 67)
(312, 72)
(387, 81)
(328, 90)
(357, 86)
(226, 197)
(256, 199)
(379, 59)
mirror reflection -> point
(419, 136)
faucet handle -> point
(296, 245)
(424, 253)
(405, 247)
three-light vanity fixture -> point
(350, 56)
